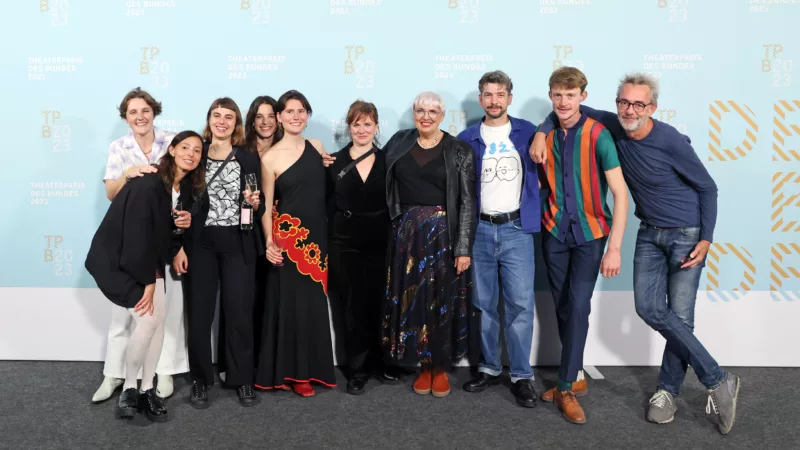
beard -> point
(497, 115)
(632, 124)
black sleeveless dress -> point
(296, 339)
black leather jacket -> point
(459, 161)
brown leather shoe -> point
(441, 384)
(579, 388)
(569, 406)
(422, 385)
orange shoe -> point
(303, 389)
(422, 385)
(569, 406)
(441, 384)
(579, 388)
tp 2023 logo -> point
(781, 69)
(562, 53)
(364, 70)
(159, 69)
(467, 8)
(678, 9)
(58, 132)
(61, 258)
(458, 120)
(58, 9)
(668, 116)
(259, 10)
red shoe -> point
(422, 385)
(303, 389)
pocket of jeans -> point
(517, 224)
(690, 231)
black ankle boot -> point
(128, 403)
(247, 396)
(152, 406)
(199, 399)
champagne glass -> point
(175, 216)
(251, 184)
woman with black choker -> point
(359, 233)
(128, 257)
(220, 251)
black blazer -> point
(133, 241)
(461, 207)
(252, 242)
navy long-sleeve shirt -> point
(668, 182)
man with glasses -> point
(582, 166)
(507, 192)
(676, 201)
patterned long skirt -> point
(427, 309)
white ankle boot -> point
(106, 389)
(164, 388)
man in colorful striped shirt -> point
(580, 168)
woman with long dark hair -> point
(261, 128)
(296, 346)
(220, 252)
(128, 257)
(261, 133)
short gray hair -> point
(640, 79)
(496, 77)
(428, 99)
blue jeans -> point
(503, 257)
(572, 270)
(665, 297)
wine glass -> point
(175, 216)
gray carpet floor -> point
(46, 405)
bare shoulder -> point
(317, 145)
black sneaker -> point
(524, 393)
(199, 399)
(128, 404)
(247, 395)
(152, 406)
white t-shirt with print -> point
(501, 171)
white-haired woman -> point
(430, 193)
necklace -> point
(433, 144)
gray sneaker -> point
(723, 400)
(662, 407)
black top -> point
(359, 219)
(421, 176)
(133, 241)
(353, 194)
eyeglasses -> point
(637, 106)
(419, 112)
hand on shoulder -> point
(317, 143)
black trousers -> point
(209, 270)
(357, 287)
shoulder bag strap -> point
(354, 163)
(214, 177)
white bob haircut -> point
(428, 99)
(639, 79)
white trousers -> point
(174, 352)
